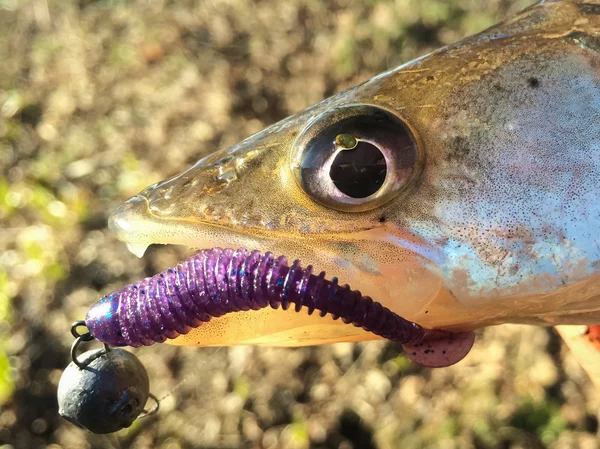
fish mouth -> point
(134, 223)
(405, 290)
(401, 278)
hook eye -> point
(145, 413)
(86, 336)
(79, 338)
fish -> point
(459, 190)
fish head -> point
(458, 190)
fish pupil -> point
(359, 172)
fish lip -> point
(117, 224)
(134, 223)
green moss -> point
(449, 428)
(55, 272)
(435, 11)
(242, 387)
(299, 430)
(13, 102)
(78, 206)
(542, 418)
(5, 308)
(45, 48)
(130, 163)
(474, 23)
(8, 5)
(402, 362)
(7, 385)
(345, 57)
(6, 208)
(42, 200)
(122, 55)
(484, 431)
(553, 428)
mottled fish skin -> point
(500, 222)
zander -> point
(458, 191)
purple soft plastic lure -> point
(218, 281)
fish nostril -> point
(227, 174)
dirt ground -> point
(99, 99)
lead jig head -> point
(103, 390)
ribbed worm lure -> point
(218, 281)
(208, 285)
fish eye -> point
(355, 158)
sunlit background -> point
(99, 99)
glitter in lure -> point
(217, 281)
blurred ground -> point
(99, 99)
